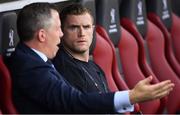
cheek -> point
(90, 38)
(69, 38)
(56, 37)
(69, 41)
(90, 33)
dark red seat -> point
(152, 44)
(103, 56)
(6, 103)
(160, 13)
(175, 33)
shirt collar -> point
(42, 55)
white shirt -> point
(122, 102)
(121, 98)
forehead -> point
(84, 18)
(54, 14)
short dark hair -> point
(32, 18)
(73, 9)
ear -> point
(42, 35)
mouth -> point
(81, 41)
(58, 45)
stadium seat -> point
(6, 103)
(126, 49)
(175, 33)
(151, 42)
(160, 13)
(8, 41)
(103, 56)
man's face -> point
(54, 34)
(78, 33)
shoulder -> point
(23, 58)
(63, 61)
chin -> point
(51, 57)
(55, 53)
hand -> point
(144, 91)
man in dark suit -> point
(39, 88)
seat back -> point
(103, 30)
(133, 18)
(6, 103)
(175, 33)
(103, 56)
(160, 13)
(8, 36)
(152, 45)
(8, 41)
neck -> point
(80, 56)
(35, 45)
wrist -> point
(132, 97)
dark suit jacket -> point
(39, 88)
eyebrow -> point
(76, 25)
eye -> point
(73, 28)
(87, 27)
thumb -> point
(148, 80)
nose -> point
(61, 33)
(81, 31)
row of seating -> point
(129, 45)
(140, 46)
(155, 46)
(128, 56)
